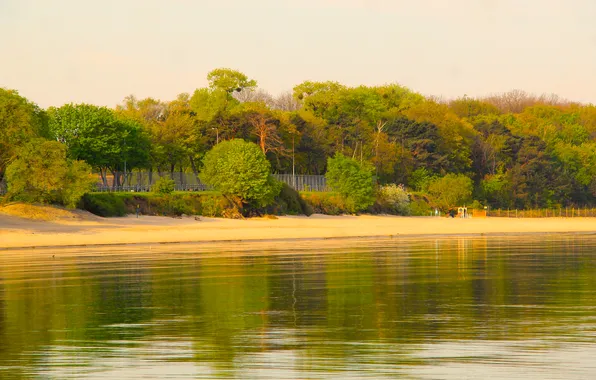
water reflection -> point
(444, 308)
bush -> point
(240, 170)
(41, 173)
(206, 203)
(476, 205)
(452, 190)
(353, 180)
(327, 203)
(164, 186)
(209, 204)
(104, 204)
(420, 207)
(395, 199)
(289, 202)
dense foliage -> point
(517, 150)
(451, 191)
(164, 186)
(394, 198)
(42, 173)
(20, 121)
(353, 180)
(239, 169)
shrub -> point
(240, 170)
(420, 207)
(289, 202)
(451, 190)
(476, 205)
(395, 199)
(164, 186)
(353, 180)
(78, 182)
(104, 204)
(41, 173)
(327, 203)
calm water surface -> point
(435, 309)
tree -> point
(353, 180)
(264, 125)
(451, 190)
(229, 80)
(20, 121)
(215, 105)
(240, 170)
(94, 134)
(468, 108)
(42, 173)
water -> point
(435, 309)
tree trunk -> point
(262, 141)
(116, 180)
(103, 175)
(193, 166)
(150, 175)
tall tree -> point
(95, 135)
(20, 121)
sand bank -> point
(19, 232)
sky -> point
(99, 51)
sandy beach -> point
(17, 232)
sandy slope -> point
(19, 232)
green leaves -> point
(240, 169)
(41, 173)
(452, 190)
(229, 80)
(352, 180)
(164, 186)
(20, 121)
(96, 135)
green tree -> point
(452, 190)
(353, 180)
(42, 173)
(229, 80)
(214, 106)
(20, 121)
(240, 170)
(97, 136)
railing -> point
(147, 188)
(560, 212)
(304, 182)
(142, 182)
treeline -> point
(516, 149)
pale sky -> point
(99, 51)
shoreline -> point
(307, 240)
(18, 233)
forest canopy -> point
(518, 150)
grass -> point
(38, 211)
